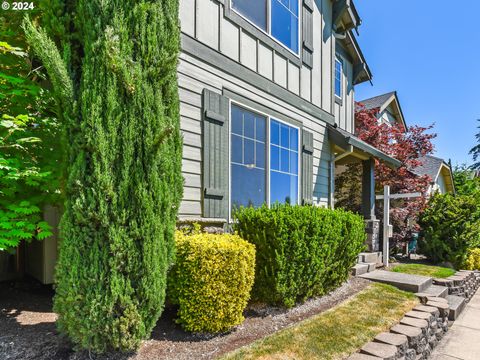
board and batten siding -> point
(194, 76)
(205, 21)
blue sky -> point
(429, 51)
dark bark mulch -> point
(27, 327)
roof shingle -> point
(377, 101)
(430, 166)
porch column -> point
(368, 189)
(372, 225)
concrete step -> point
(371, 266)
(457, 304)
(369, 257)
(359, 269)
(407, 282)
(434, 291)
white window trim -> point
(267, 144)
(269, 26)
(342, 85)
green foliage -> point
(425, 270)
(475, 151)
(115, 87)
(473, 259)
(465, 180)
(27, 166)
(211, 281)
(450, 226)
(337, 333)
(301, 251)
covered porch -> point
(349, 149)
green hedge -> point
(450, 227)
(302, 251)
(211, 281)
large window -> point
(279, 18)
(283, 163)
(338, 77)
(248, 159)
(251, 171)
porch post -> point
(368, 189)
(372, 225)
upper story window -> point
(279, 18)
(338, 77)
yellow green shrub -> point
(473, 259)
(211, 281)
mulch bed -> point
(27, 327)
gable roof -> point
(382, 102)
(377, 101)
(433, 167)
(430, 166)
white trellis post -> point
(387, 228)
(386, 225)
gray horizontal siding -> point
(205, 20)
(193, 77)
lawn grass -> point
(426, 270)
(336, 333)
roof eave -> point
(395, 98)
(346, 140)
(345, 16)
(362, 71)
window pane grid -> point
(288, 8)
(278, 18)
(247, 159)
(338, 77)
(284, 164)
(249, 175)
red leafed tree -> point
(405, 145)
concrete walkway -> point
(463, 339)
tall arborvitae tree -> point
(116, 90)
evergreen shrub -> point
(302, 251)
(473, 259)
(211, 281)
(115, 86)
(450, 227)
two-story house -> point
(386, 107)
(267, 109)
(267, 104)
(440, 173)
(388, 111)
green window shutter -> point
(215, 155)
(307, 167)
(307, 33)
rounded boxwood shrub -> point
(302, 251)
(211, 281)
(473, 259)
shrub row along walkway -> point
(337, 333)
(462, 341)
(28, 332)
